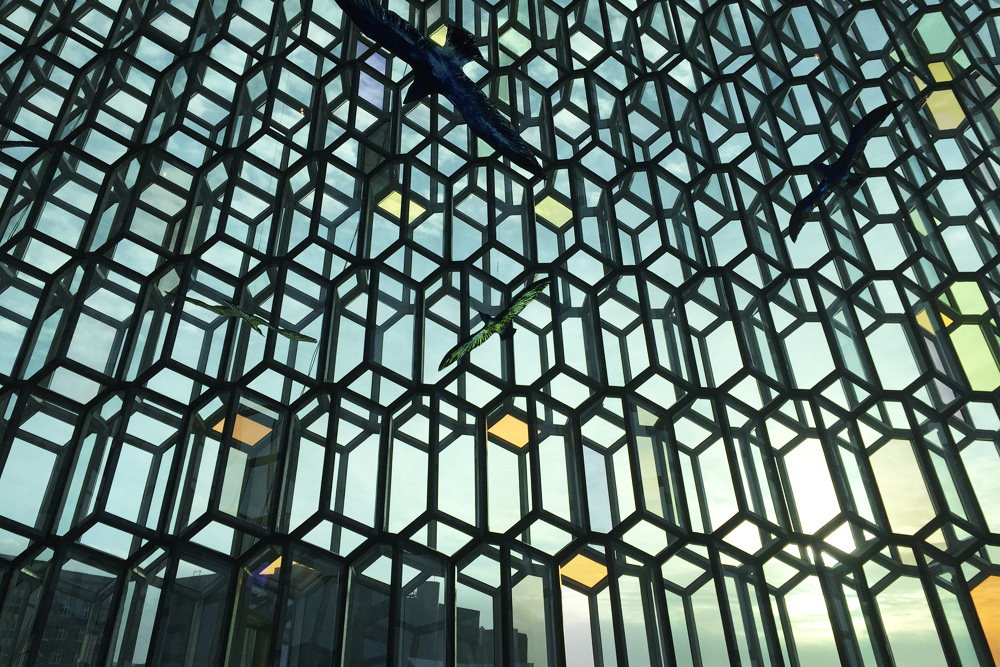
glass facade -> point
(705, 445)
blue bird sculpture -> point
(838, 175)
(438, 69)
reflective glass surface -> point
(705, 444)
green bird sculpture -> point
(496, 324)
(255, 321)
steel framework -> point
(705, 445)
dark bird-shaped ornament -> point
(255, 321)
(24, 144)
(438, 69)
(496, 324)
(839, 175)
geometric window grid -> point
(705, 444)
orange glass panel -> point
(986, 597)
(511, 429)
(245, 430)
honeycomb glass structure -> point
(705, 444)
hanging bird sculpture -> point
(838, 175)
(500, 324)
(255, 321)
(438, 69)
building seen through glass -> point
(253, 256)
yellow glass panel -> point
(584, 571)
(943, 104)
(553, 211)
(939, 71)
(511, 429)
(901, 485)
(969, 298)
(947, 112)
(986, 597)
(393, 205)
(976, 357)
(440, 35)
(924, 320)
(918, 221)
(245, 430)
(272, 568)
